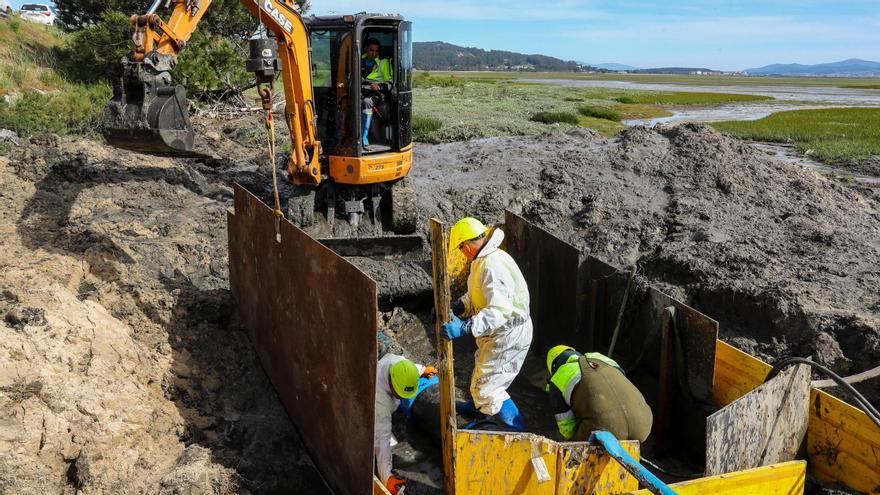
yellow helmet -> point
(554, 353)
(405, 378)
(464, 230)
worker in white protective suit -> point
(495, 310)
(396, 378)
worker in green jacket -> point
(590, 392)
(376, 76)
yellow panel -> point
(786, 478)
(370, 169)
(586, 469)
(490, 463)
(843, 444)
(736, 373)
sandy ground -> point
(123, 369)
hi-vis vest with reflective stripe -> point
(569, 374)
(381, 70)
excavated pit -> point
(123, 364)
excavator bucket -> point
(149, 119)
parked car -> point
(39, 13)
(5, 8)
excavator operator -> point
(376, 79)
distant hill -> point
(677, 70)
(438, 55)
(851, 67)
(616, 67)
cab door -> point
(404, 77)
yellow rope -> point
(270, 139)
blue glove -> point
(456, 328)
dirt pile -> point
(784, 258)
(122, 366)
(123, 370)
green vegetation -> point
(76, 110)
(426, 80)
(862, 86)
(839, 136)
(425, 128)
(599, 113)
(604, 127)
(687, 98)
(5, 149)
(555, 118)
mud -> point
(124, 368)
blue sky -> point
(718, 34)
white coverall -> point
(386, 403)
(497, 301)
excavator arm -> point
(149, 114)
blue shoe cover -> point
(510, 416)
(467, 408)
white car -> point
(5, 8)
(39, 13)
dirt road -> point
(122, 368)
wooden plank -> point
(779, 479)
(379, 488)
(291, 295)
(736, 373)
(765, 426)
(495, 463)
(587, 469)
(444, 354)
(843, 444)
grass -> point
(76, 110)
(555, 118)
(604, 127)
(839, 136)
(425, 128)
(599, 113)
(687, 98)
(862, 86)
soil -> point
(124, 368)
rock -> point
(8, 136)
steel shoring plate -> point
(312, 318)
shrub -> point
(425, 128)
(625, 100)
(554, 117)
(93, 53)
(15, 25)
(599, 113)
(211, 63)
(573, 98)
(75, 111)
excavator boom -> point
(150, 114)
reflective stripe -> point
(595, 356)
(563, 416)
(569, 389)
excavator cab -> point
(342, 94)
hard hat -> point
(554, 353)
(464, 230)
(405, 378)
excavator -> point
(319, 62)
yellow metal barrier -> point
(786, 478)
(842, 443)
(494, 463)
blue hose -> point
(645, 477)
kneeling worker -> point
(495, 310)
(590, 393)
(396, 378)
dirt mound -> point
(122, 366)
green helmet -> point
(405, 378)
(554, 353)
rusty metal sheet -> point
(765, 426)
(551, 268)
(312, 318)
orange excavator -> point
(319, 60)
